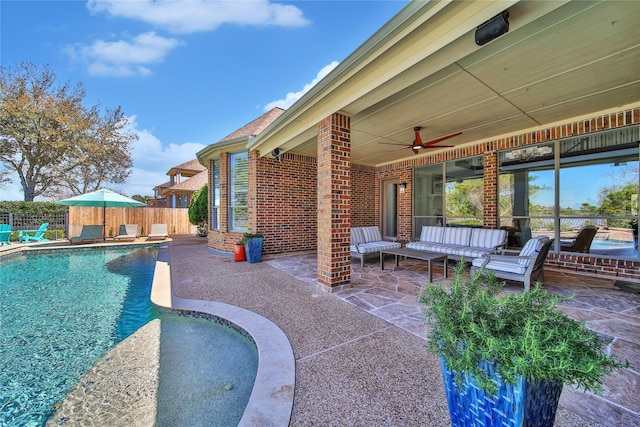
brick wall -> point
(364, 195)
(283, 202)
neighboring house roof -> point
(163, 186)
(189, 168)
(190, 185)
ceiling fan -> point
(418, 144)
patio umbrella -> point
(104, 198)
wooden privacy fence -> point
(177, 219)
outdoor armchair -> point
(5, 234)
(526, 267)
(38, 235)
(582, 242)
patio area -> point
(360, 353)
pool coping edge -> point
(271, 400)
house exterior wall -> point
(285, 197)
(365, 209)
(283, 201)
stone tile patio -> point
(615, 314)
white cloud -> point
(152, 160)
(292, 97)
(189, 16)
(124, 58)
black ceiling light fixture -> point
(493, 28)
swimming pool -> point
(63, 310)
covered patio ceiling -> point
(559, 60)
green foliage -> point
(523, 334)
(247, 236)
(465, 198)
(32, 208)
(619, 201)
(199, 210)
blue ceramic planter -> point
(253, 249)
(525, 403)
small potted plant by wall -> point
(253, 246)
(505, 358)
(239, 253)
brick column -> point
(490, 213)
(334, 201)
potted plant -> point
(253, 246)
(239, 253)
(505, 359)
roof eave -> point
(213, 150)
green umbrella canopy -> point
(102, 198)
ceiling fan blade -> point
(444, 138)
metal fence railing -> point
(32, 222)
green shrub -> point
(522, 333)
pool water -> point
(61, 311)
(217, 392)
(614, 248)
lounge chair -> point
(89, 234)
(526, 267)
(38, 235)
(127, 233)
(5, 234)
(158, 232)
(582, 242)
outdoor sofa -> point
(458, 242)
(367, 241)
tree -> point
(52, 141)
(199, 210)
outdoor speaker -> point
(493, 28)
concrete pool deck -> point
(360, 355)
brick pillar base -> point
(334, 201)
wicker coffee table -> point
(414, 254)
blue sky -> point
(186, 73)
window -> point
(427, 197)
(449, 193)
(464, 192)
(215, 192)
(238, 191)
(182, 201)
(595, 183)
(526, 191)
